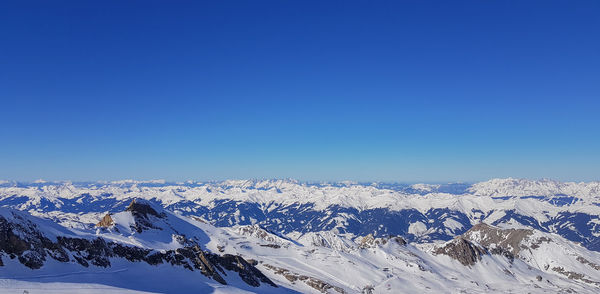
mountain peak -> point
(463, 250)
(142, 208)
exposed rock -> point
(10, 242)
(508, 240)
(143, 214)
(369, 241)
(462, 250)
(133, 253)
(328, 239)
(591, 264)
(23, 240)
(574, 275)
(368, 289)
(315, 283)
(249, 274)
(536, 243)
(271, 245)
(257, 231)
(96, 251)
(502, 251)
(106, 221)
(199, 219)
(538, 278)
(399, 240)
(252, 261)
(274, 239)
(483, 238)
(141, 209)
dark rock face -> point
(249, 274)
(399, 240)
(275, 246)
(143, 215)
(462, 250)
(24, 240)
(502, 251)
(315, 283)
(141, 209)
(96, 251)
(538, 278)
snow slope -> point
(509, 260)
(497, 236)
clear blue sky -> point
(314, 90)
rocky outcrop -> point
(328, 239)
(141, 209)
(369, 241)
(504, 240)
(258, 232)
(315, 283)
(482, 239)
(22, 239)
(485, 239)
(274, 240)
(249, 274)
(463, 250)
(143, 214)
(574, 276)
(589, 263)
(106, 222)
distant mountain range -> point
(498, 235)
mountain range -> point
(286, 236)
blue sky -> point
(315, 90)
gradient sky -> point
(315, 90)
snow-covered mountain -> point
(416, 212)
(143, 243)
(499, 235)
